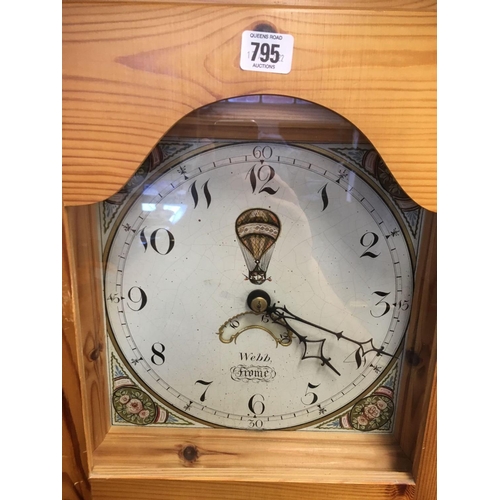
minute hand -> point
(281, 315)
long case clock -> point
(249, 282)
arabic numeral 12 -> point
(265, 175)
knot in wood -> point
(265, 27)
(412, 357)
(94, 354)
(189, 453)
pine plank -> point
(126, 66)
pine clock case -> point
(130, 71)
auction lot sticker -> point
(266, 52)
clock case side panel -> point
(418, 383)
(85, 276)
(75, 466)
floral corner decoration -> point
(134, 406)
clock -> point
(259, 284)
(154, 92)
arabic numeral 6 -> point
(256, 404)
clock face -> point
(257, 285)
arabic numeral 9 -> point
(138, 297)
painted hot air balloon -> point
(257, 230)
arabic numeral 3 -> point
(382, 307)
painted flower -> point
(124, 399)
(362, 420)
(371, 411)
(134, 406)
(144, 414)
(381, 404)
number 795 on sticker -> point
(266, 52)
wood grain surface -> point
(131, 71)
(425, 464)
(420, 348)
(87, 294)
(127, 489)
(224, 454)
(75, 467)
(424, 5)
(235, 464)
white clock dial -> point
(224, 221)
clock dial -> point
(258, 285)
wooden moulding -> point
(135, 463)
(132, 70)
(127, 489)
(413, 5)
